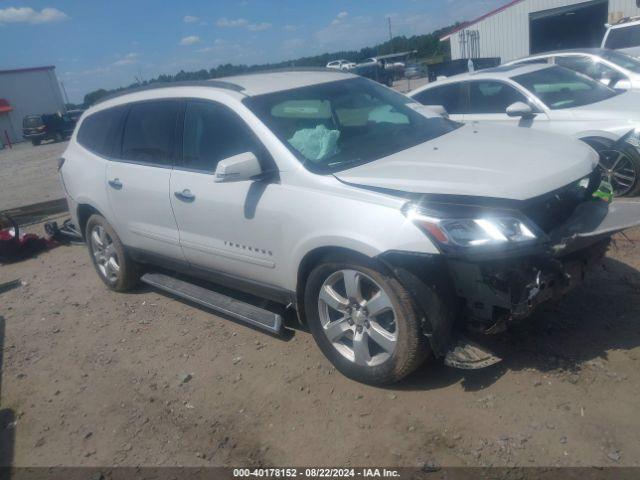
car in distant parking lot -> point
(341, 65)
(39, 128)
(552, 99)
(614, 69)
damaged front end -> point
(504, 258)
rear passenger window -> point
(150, 132)
(99, 132)
(451, 97)
(212, 133)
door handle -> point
(115, 183)
(185, 195)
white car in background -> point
(624, 36)
(341, 65)
(552, 99)
(612, 68)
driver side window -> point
(492, 97)
(212, 133)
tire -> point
(609, 152)
(35, 143)
(121, 279)
(378, 365)
(58, 137)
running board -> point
(468, 355)
(244, 312)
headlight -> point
(479, 228)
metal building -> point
(524, 27)
(26, 91)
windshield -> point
(624, 37)
(31, 122)
(338, 125)
(623, 60)
(560, 88)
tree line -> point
(426, 46)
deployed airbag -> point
(317, 143)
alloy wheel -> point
(104, 254)
(358, 318)
(619, 169)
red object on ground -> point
(4, 106)
(15, 246)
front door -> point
(232, 228)
(489, 100)
(139, 182)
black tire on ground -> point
(128, 276)
(411, 346)
(603, 145)
(35, 143)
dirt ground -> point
(92, 377)
(28, 174)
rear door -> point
(138, 181)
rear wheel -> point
(364, 321)
(620, 164)
(35, 143)
(110, 260)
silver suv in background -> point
(624, 36)
(614, 69)
(387, 229)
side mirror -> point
(244, 166)
(520, 109)
(623, 84)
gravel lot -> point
(91, 377)
(28, 174)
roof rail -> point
(157, 85)
(292, 69)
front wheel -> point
(364, 321)
(620, 164)
(110, 260)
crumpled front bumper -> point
(499, 290)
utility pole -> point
(66, 97)
(390, 34)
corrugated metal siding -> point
(506, 34)
(31, 92)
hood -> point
(624, 107)
(481, 160)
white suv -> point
(385, 228)
(624, 36)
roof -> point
(250, 84)
(599, 52)
(29, 69)
(275, 81)
(479, 19)
(498, 73)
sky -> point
(106, 44)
